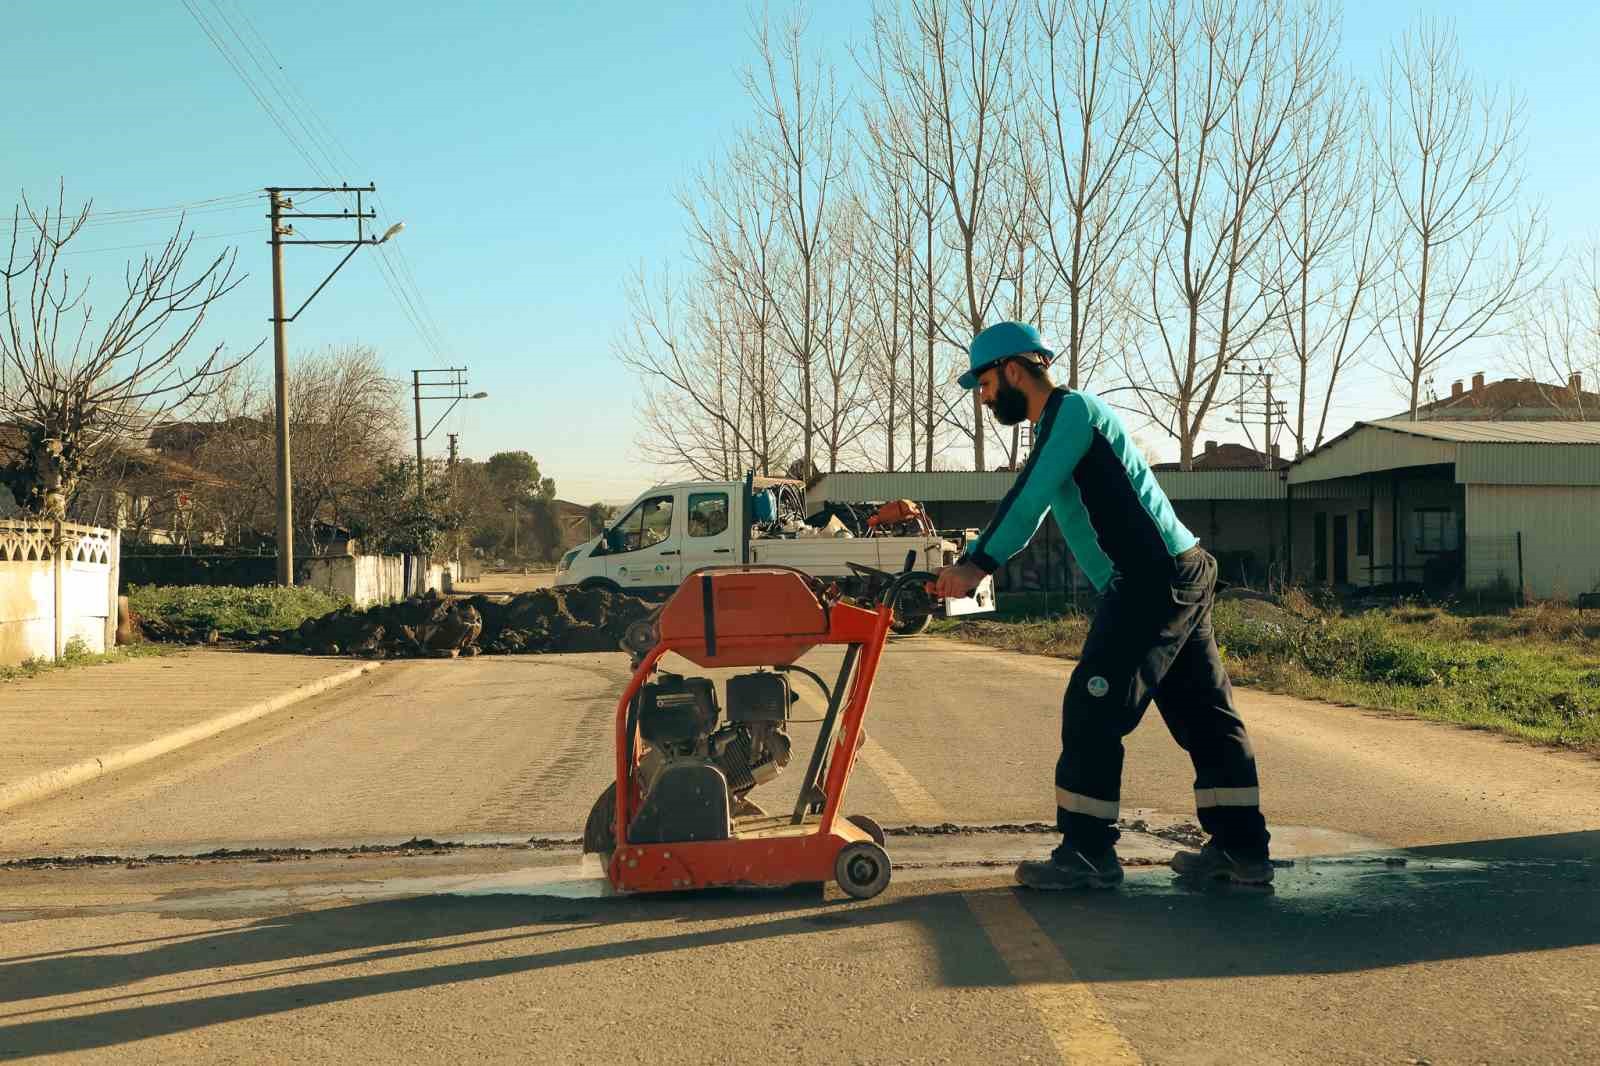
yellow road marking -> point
(1069, 1011)
(916, 802)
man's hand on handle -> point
(958, 581)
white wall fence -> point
(58, 583)
(369, 579)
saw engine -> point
(700, 765)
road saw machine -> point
(678, 815)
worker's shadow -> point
(1350, 914)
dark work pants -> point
(1152, 638)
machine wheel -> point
(600, 831)
(869, 827)
(862, 870)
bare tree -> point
(1330, 257)
(1450, 153)
(1032, 281)
(899, 205)
(695, 372)
(1234, 74)
(736, 248)
(235, 445)
(799, 149)
(1091, 96)
(345, 427)
(951, 65)
(75, 382)
(844, 413)
(1559, 335)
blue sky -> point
(533, 150)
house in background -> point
(1474, 504)
(1511, 400)
(146, 494)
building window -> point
(1433, 530)
(1364, 533)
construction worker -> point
(1151, 637)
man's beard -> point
(1010, 404)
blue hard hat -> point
(1000, 341)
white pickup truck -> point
(671, 531)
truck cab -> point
(666, 533)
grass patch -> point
(1532, 673)
(76, 654)
(231, 610)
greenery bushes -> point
(230, 610)
(1530, 672)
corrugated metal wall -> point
(942, 485)
(922, 486)
(1369, 449)
(1560, 530)
(1528, 464)
(1222, 484)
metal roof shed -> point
(1476, 504)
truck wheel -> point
(910, 627)
(602, 584)
(912, 613)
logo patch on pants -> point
(1098, 686)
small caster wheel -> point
(869, 827)
(862, 869)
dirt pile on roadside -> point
(433, 626)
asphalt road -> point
(1442, 905)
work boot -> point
(1214, 863)
(1068, 869)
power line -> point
(222, 49)
(397, 274)
(160, 244)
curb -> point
(61, 778)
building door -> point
(1319, 547)
(1341, 549)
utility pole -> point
(416, 399)
(1272, 411)
(280, 377)
(283, 208)
(451, 383)
(453, 437)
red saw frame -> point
(740, 616)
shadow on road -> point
(1339, 914)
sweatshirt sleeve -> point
(1062, 439)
